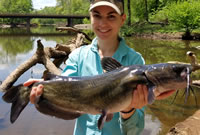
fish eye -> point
(181, 70)
(178, 70)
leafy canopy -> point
(185, 14)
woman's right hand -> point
(36, 92)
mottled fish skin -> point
(70, 97)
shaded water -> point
(160, 116)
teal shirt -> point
(85, 61)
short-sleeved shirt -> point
(86, 61)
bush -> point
(185, 15)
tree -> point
(129, 12)
(185, 15)
(15, 6)
(146, 11)
(73, 6)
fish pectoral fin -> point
(110, 64)
(102, 119)
(47, 108)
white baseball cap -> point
(117, 5)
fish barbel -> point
(70, 97)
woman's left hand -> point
(140, 99)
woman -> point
(107, 17)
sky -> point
(39, 4)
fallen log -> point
(196, 83)
(190, 126)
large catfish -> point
(70, 97)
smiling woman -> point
(38, 4)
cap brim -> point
(105, 3)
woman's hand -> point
(36, 92)
(139, 99)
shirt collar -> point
(120, 52)
(94, 45)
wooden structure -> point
(31, 16)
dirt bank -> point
(168, 36)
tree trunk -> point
(187, 35)
(156, 5)
(129, 12)
(146, 11)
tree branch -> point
(43, 56)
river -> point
(17, 45)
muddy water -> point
(160, 116)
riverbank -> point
(168, 36)
(23, 25)
(143, 30)
(147, 30)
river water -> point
(16, 46)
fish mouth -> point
(163, 94)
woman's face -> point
(106, 22)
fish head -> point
(168, 77)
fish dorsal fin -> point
(110, 64)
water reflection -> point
(14, 50)
(158, 51)
(160, 116)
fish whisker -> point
(175, 97)
(195, 97)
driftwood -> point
(190, 126)
(196, 83)
(43, 56)
(74, 30)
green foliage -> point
(127, 31)
(47, 10)
(15, 6)
(90, 32)
(160, 15)
(139, 12)
(76, 7)
(185, 14)
(181, 13)
(86, 21)
(64, 7)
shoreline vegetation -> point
(157, 19)
(144, 30)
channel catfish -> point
(70, 97)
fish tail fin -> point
(19, 97)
